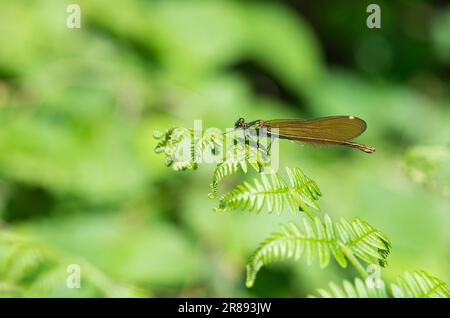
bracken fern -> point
(274, 193)
(316, 239)
(359, 289)
(238, 156)
(418, 284)
(170, 142)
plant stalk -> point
(354, 261)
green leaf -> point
(316, 239)
(274, 193)
(177, 145)
(241, 156)
(417, 284)
(359, 289)
(185, 149)
(420, 284)
(296, 59)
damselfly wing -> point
(333, 130)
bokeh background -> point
(81, 184)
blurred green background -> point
(81, 184)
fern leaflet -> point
(359, 289)
(417, 284)
(317, 239)
(273, 192)
(238, 156)
(176, 144)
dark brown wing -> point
(338, 130)
(334, 127)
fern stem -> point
(354, 261)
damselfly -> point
(333, 130)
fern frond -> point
(171, 143)
(417, 284)
(238, 156)
(366, 242)
(420, 284)
(274, 193)
(184, 150)
(317, 239)
(211, 143)
(359, 289)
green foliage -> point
(418, 284)
(274, 193)
(184, 149)
(316, 239)
(359, 289)
(177, 145)
(430, 166)
(313, 239)
(240, 153)
(77, 111)
(440, 34)
(29, 268)
(238, 156)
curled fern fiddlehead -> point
(173, 141)
(183, 149)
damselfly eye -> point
(239, 123)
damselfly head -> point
(239, 123)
